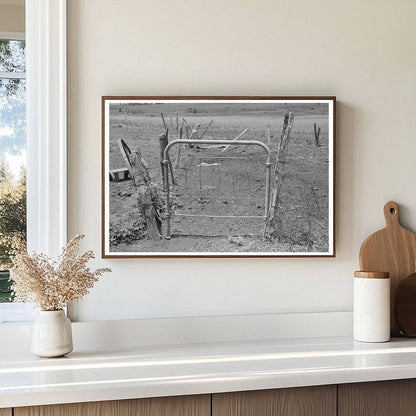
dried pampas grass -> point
(53, 285)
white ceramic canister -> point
(371, 313)
(52, 334)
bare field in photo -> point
(231, 183)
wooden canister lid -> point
(372, 275)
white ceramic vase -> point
(52, 334)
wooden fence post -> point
(269, 135)
(147, 198)
(273, 225)
(206, 129)
(317, 134)
(163, 142)
(164, 122)
(178, 155)
(162, 149)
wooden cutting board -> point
(393, 250)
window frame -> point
(12, 35)
(46, 126)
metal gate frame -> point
(215, 142)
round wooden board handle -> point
(391, 213)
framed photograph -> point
(218, 176)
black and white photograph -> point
(218, 176)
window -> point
(12, 153)
(45, 89)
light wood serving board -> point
(393, 250)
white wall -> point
(361, 51)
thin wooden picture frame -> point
(141, 114)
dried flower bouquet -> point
(53, 285)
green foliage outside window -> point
(12, 145)
(12, 223)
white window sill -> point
(16, 313)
